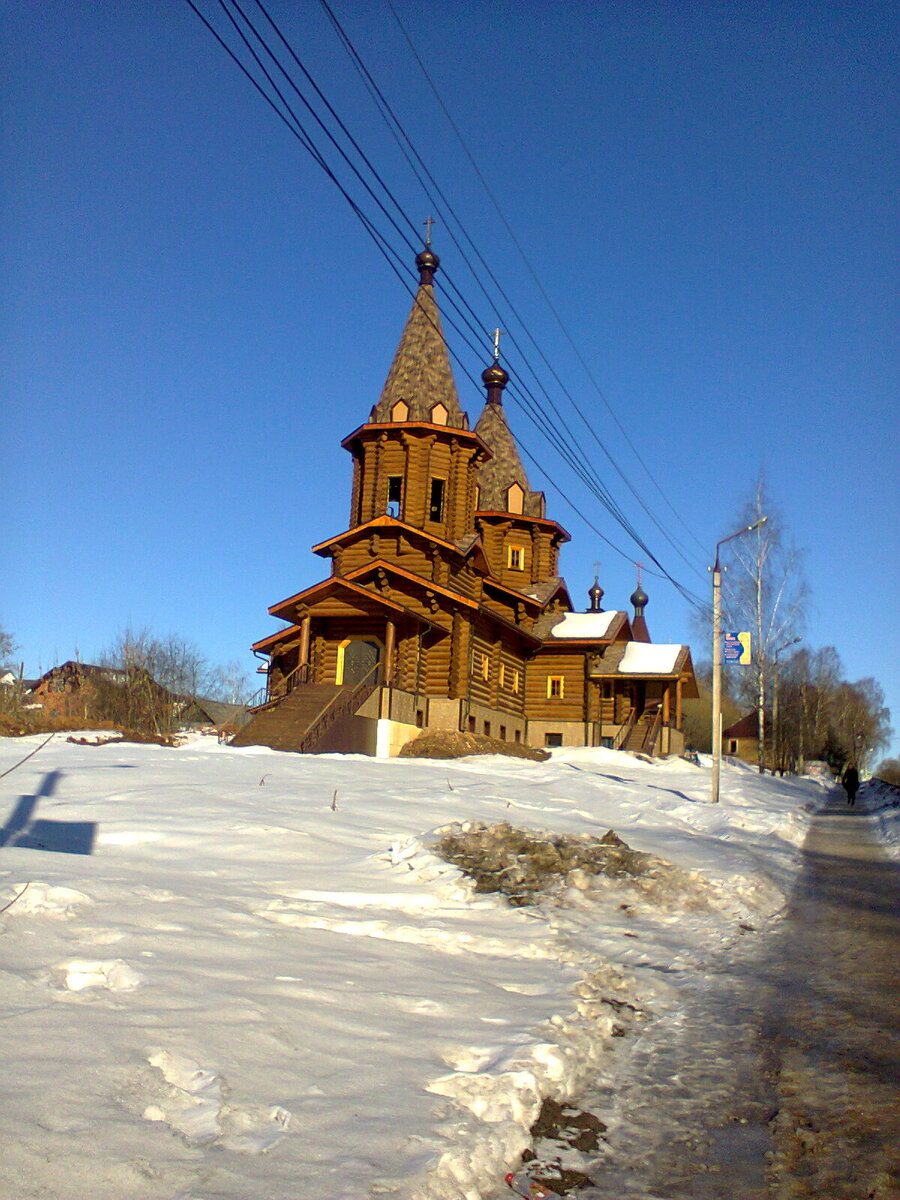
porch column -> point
(304, 641)
(678, 710)
(666, 706)
(390, 635)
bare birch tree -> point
(861, 724)
(765, 591)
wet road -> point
(834, 1032)
(796, 1092)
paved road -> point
(796, 1095)
(834, 1027)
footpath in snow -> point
(237, 973)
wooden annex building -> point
(443, 607)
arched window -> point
(515, 498)
(439, 414)
(400, 411)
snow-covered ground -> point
(882, 802)
(262, 982)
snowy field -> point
(237, 974)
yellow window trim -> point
(552, 692)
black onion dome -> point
(595, 595)
(639, 597)
(494, 376)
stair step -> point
(283, 726)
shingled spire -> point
(503, 484)
(420, 377)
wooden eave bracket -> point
(425, 427)
(381, 522)
(420, 580)
(313, 593)
(543, 522)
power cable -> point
(530, 268)
(297, 129)
(402, 139)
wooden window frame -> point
(519, 552)
(556, 687)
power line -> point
(402, 139)
(525, 259)
(573, 456)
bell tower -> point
(521, 545)
(416, 458)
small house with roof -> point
(443, 607)
(741, 739)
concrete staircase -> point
(283, 725)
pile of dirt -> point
(561, 1128)
(449, 743)
(525, 865)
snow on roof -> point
(642, 658)
(584, 625)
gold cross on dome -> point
(428, 222)
(497, 333)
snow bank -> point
(263, 982)
(882, 801)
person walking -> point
(851, 784)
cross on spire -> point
(640, 567)
(428, 222)
(497, 333)
(597, 572)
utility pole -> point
(717, 660)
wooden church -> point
(443, 607)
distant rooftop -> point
(584, 625)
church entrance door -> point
(359, 659)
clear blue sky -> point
(193, 318)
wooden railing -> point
(261, 698)
(347, 701)
(648, 742)
(624, 732)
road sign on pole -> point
(736, 648)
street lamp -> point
(717, 659)
(776, 732)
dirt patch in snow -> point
(448, 743)
(560, 1128)
(527, 866)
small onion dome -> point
(427, 262)
(596, 595)
(494, 376)
(639, 599)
